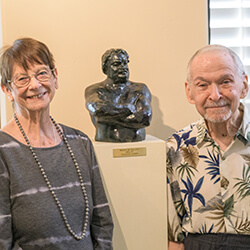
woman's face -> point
(36, 96)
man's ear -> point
(245, 87)
(188, 93)
(8, 93)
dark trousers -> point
(217, 242)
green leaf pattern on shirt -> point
(243, 184)
(210, 189)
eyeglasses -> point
(22, 80)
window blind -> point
(229, 25)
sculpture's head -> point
(115, 65)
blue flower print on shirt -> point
(214, 163)
(192, 192)
(204, 230)
(185, 138)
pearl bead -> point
(61, 134)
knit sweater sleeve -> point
(5, 212)
(102, 224)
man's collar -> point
(203, 134)
(243, 132)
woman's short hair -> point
(24, 52)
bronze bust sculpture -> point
(119, 108)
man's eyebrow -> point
(200, 78)
(227, 75)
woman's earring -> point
(10, 97)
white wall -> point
(160, 36)
(2, 95)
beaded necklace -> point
(61, 134)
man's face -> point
(117, 68)
(216, 86)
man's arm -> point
(176, 209)
(175, 246)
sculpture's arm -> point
(142, 114)
(108, 110)
(99, 105)
(135, 112)
(131, 115)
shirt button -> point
(224, 182)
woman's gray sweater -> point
(29, 216)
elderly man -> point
(119, 108)
(208, 162)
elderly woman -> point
(51, 192)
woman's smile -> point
(38, 96)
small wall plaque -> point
(129, 152)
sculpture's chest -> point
(117, 95)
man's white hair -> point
(215, 47)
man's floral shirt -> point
(208, 189)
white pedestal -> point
(136, 190)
